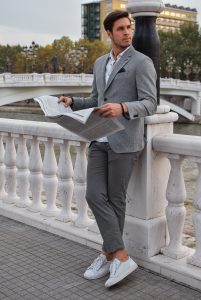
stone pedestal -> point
(145, 227)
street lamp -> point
(77, 56)
(31, 54)
(187, 68)
(196, 71)
(177, 72)
(170, 62)
(82, 53)
(8, 64)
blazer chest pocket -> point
(123, 73)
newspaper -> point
(84, 123)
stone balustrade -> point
(9, 79)
(181, 95)
(43, 175)
(43, 182)
(175, 148)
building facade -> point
(91, 20)
(106, 7)
(174, 16)
(94, 13)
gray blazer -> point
(132, 81)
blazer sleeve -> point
(146, 104)
(92, 101)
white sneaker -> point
(119, 270)
(99, 268)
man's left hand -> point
(110, 110)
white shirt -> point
(108, 70)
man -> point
(124, 86)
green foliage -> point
(71, 57)
(10, 52)
(79, 56)
(182, 46)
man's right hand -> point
(67, 101)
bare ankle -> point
(121, 255)
(109, 256)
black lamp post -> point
(170, 62)
(77, 56)
(7, 67)
(177, 72)
(146, 39)
(31, 54)
(196, 71)
(188, 68)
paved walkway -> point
(37, 265)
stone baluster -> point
(195, 259)
(35, 177)
(175, 211)
(65, 185)
(2, 169)
(10, 172)
(82, 219)
(50, 181)
(22, 164)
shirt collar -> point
(111, 56)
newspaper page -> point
(84, 122)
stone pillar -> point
(146, 38)
(196, 105)
(145, 228)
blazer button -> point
(105, 99)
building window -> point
(109, 4)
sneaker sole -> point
(97, 277)
(122, 276)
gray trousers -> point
(108, 175)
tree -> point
(83, 55)
(60, 48)
(10, 52)
(184, 46)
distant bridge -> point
(184, 97)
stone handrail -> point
(43, 182)
(177, 147)
(9, 79)
(27, 86)
(47, 78)
(36, 170)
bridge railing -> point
(176, 148)
(86, 78)
(43, 175)
(43, 182)
(31, 78)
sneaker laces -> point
(97, 263)
(114, 266)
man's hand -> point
(110, 110)
(67, 101)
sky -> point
(43, 21)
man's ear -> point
(109, 33)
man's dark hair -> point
(114, 16)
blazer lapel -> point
(120, 64)
(101, 72)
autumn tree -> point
(182, 46)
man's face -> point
(121, 35)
